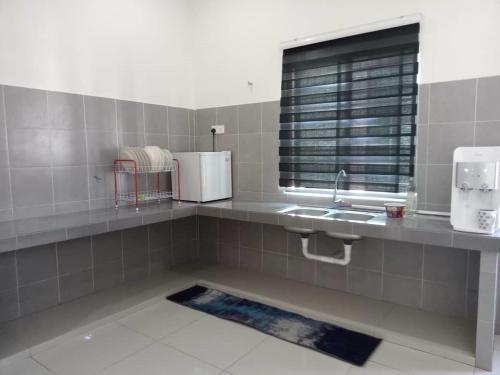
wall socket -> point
(219, 129)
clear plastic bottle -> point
(411, 198)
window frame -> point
(358, 197)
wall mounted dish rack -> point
(134, 185)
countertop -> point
(430, 230)
(22, 233)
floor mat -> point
(350, 346)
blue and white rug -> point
(350, 346)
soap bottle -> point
(411, 198)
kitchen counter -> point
(425, 229)
(23, 233)
(431, 230)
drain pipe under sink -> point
(304, 238)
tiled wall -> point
(36, 278)
(451, 114)
(56, 149)
(432, 278)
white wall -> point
(127, 49)
(238, 40)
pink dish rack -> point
(127, 174)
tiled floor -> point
(155, 336)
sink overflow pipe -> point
(321, 258)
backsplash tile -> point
(52, 130)
(447, 118)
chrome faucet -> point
(339, 202)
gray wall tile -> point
(229, 232)
(74, 256)
(100, 114)
(178, 121)
(159, 235)
(403, 259)
(179, 143)
(249, 118)
(208, 251)
(155, 118)
(38, 296)
(487, 133)
(9, 303)
(402, 290)
(107, 275)
(331, 276)
(155, 139)
(274, 264)
(301, 269)
(129, 116)
(65, 111)
(29, 147)
(274, 239)
(365, 283)
(5, 199)
(488, 97)
(294, 244)
(439, 184)
(159, 260)
(4, 162)
(367, 254)
(229, 254)
(107, 247)
(131, 139)
(25, 108)
(8, 278)
(250, 148)
(135, 247)
(445, 265)
(70, 184)
(228, 116)
(250, 177)
(183, 229)
(205, 119)
(270, 148)
(423, 103)
(68, 147)
(208, 228)
(270, 178)
(271, 116)
(101, 183)
(251, 259)
(445, 138)
(36, 264)
(444, 299)
(251, 235)
(102, 147)
(452, 101)
(75, 285)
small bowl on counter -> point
(395, 210)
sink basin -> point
(308, 212)
(351, 216)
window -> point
(350, 103)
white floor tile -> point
(371, 368)
(91, 352)
(25, 366)
(277, 357)
(416, 362)
(161, 319)
(159, 359)
(215, 340)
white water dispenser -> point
(475, 197)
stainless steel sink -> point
(309, 211)
(350, 216)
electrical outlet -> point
(219, 129)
